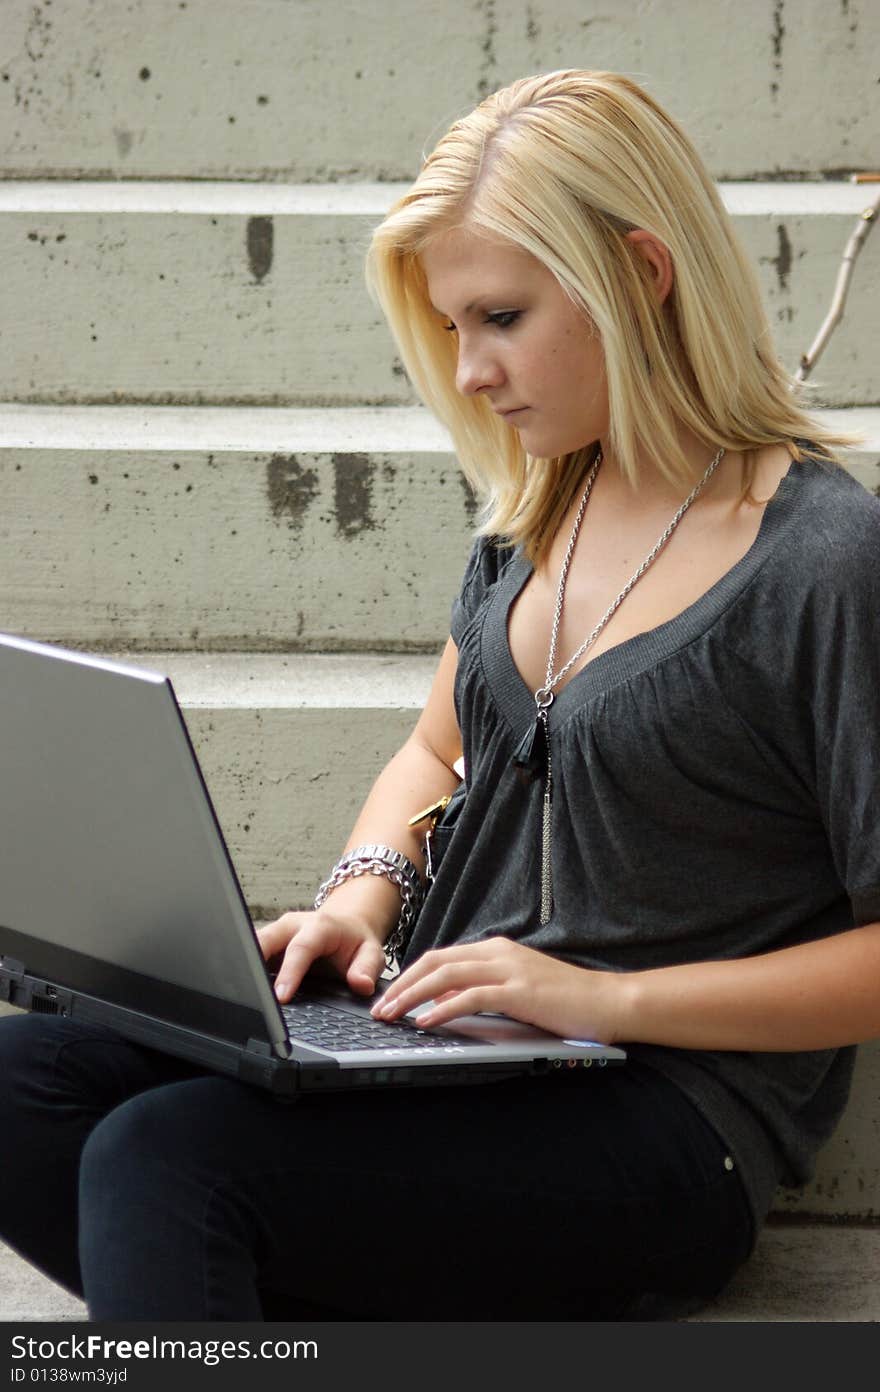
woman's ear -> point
(657, 257)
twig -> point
(844, 275)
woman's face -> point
(521, 341)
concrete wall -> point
(307, 90)
(198, 294)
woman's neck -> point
(653, 489)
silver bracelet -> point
(395, 866)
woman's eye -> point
(504, 318)
(450, 327)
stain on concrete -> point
(291, 488)
(353, 493)
(145, 74)
(34, 49)
(36, 40)
(783, 259)
(470, 498)
(489, 61)
(777, 38)
(533, 31)
(124, 140)
(260, 240)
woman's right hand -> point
(344, 939)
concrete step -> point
(212, 528)
(210, 294)
(214, 89)
(815, 1273)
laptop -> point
(120, 904)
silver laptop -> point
(120, 905)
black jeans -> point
(160, 1193)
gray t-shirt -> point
(716, 794)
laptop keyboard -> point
(328, 1027)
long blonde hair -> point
(564, 165)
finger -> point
(274, 937)
(407, 979)
(364, 968)
(303, 950)
(450, 976)
(458, 1003)
(428, 962)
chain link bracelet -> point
(393, 865)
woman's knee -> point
(156, 1148)
(127, 1147)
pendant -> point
(546, 858)
(530, 757)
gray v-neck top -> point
(716, 794)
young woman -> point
(663, 681)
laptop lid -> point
(111, 855)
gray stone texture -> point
(317, 92)
(164, 298)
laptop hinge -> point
(256, 1062)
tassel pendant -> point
(544, 699)
(530, 757)
(546, 863)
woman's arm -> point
(816, 995)
(359, 914)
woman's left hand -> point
(505, 977)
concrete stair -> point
(324, 525)
(202, 293)
(342, 529)
(317, 93)
(212, 463)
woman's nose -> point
(476, 369)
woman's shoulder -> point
(816, 578)
(489, 558)
(839, 519)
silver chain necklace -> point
(529, 756)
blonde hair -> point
(564, 165)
